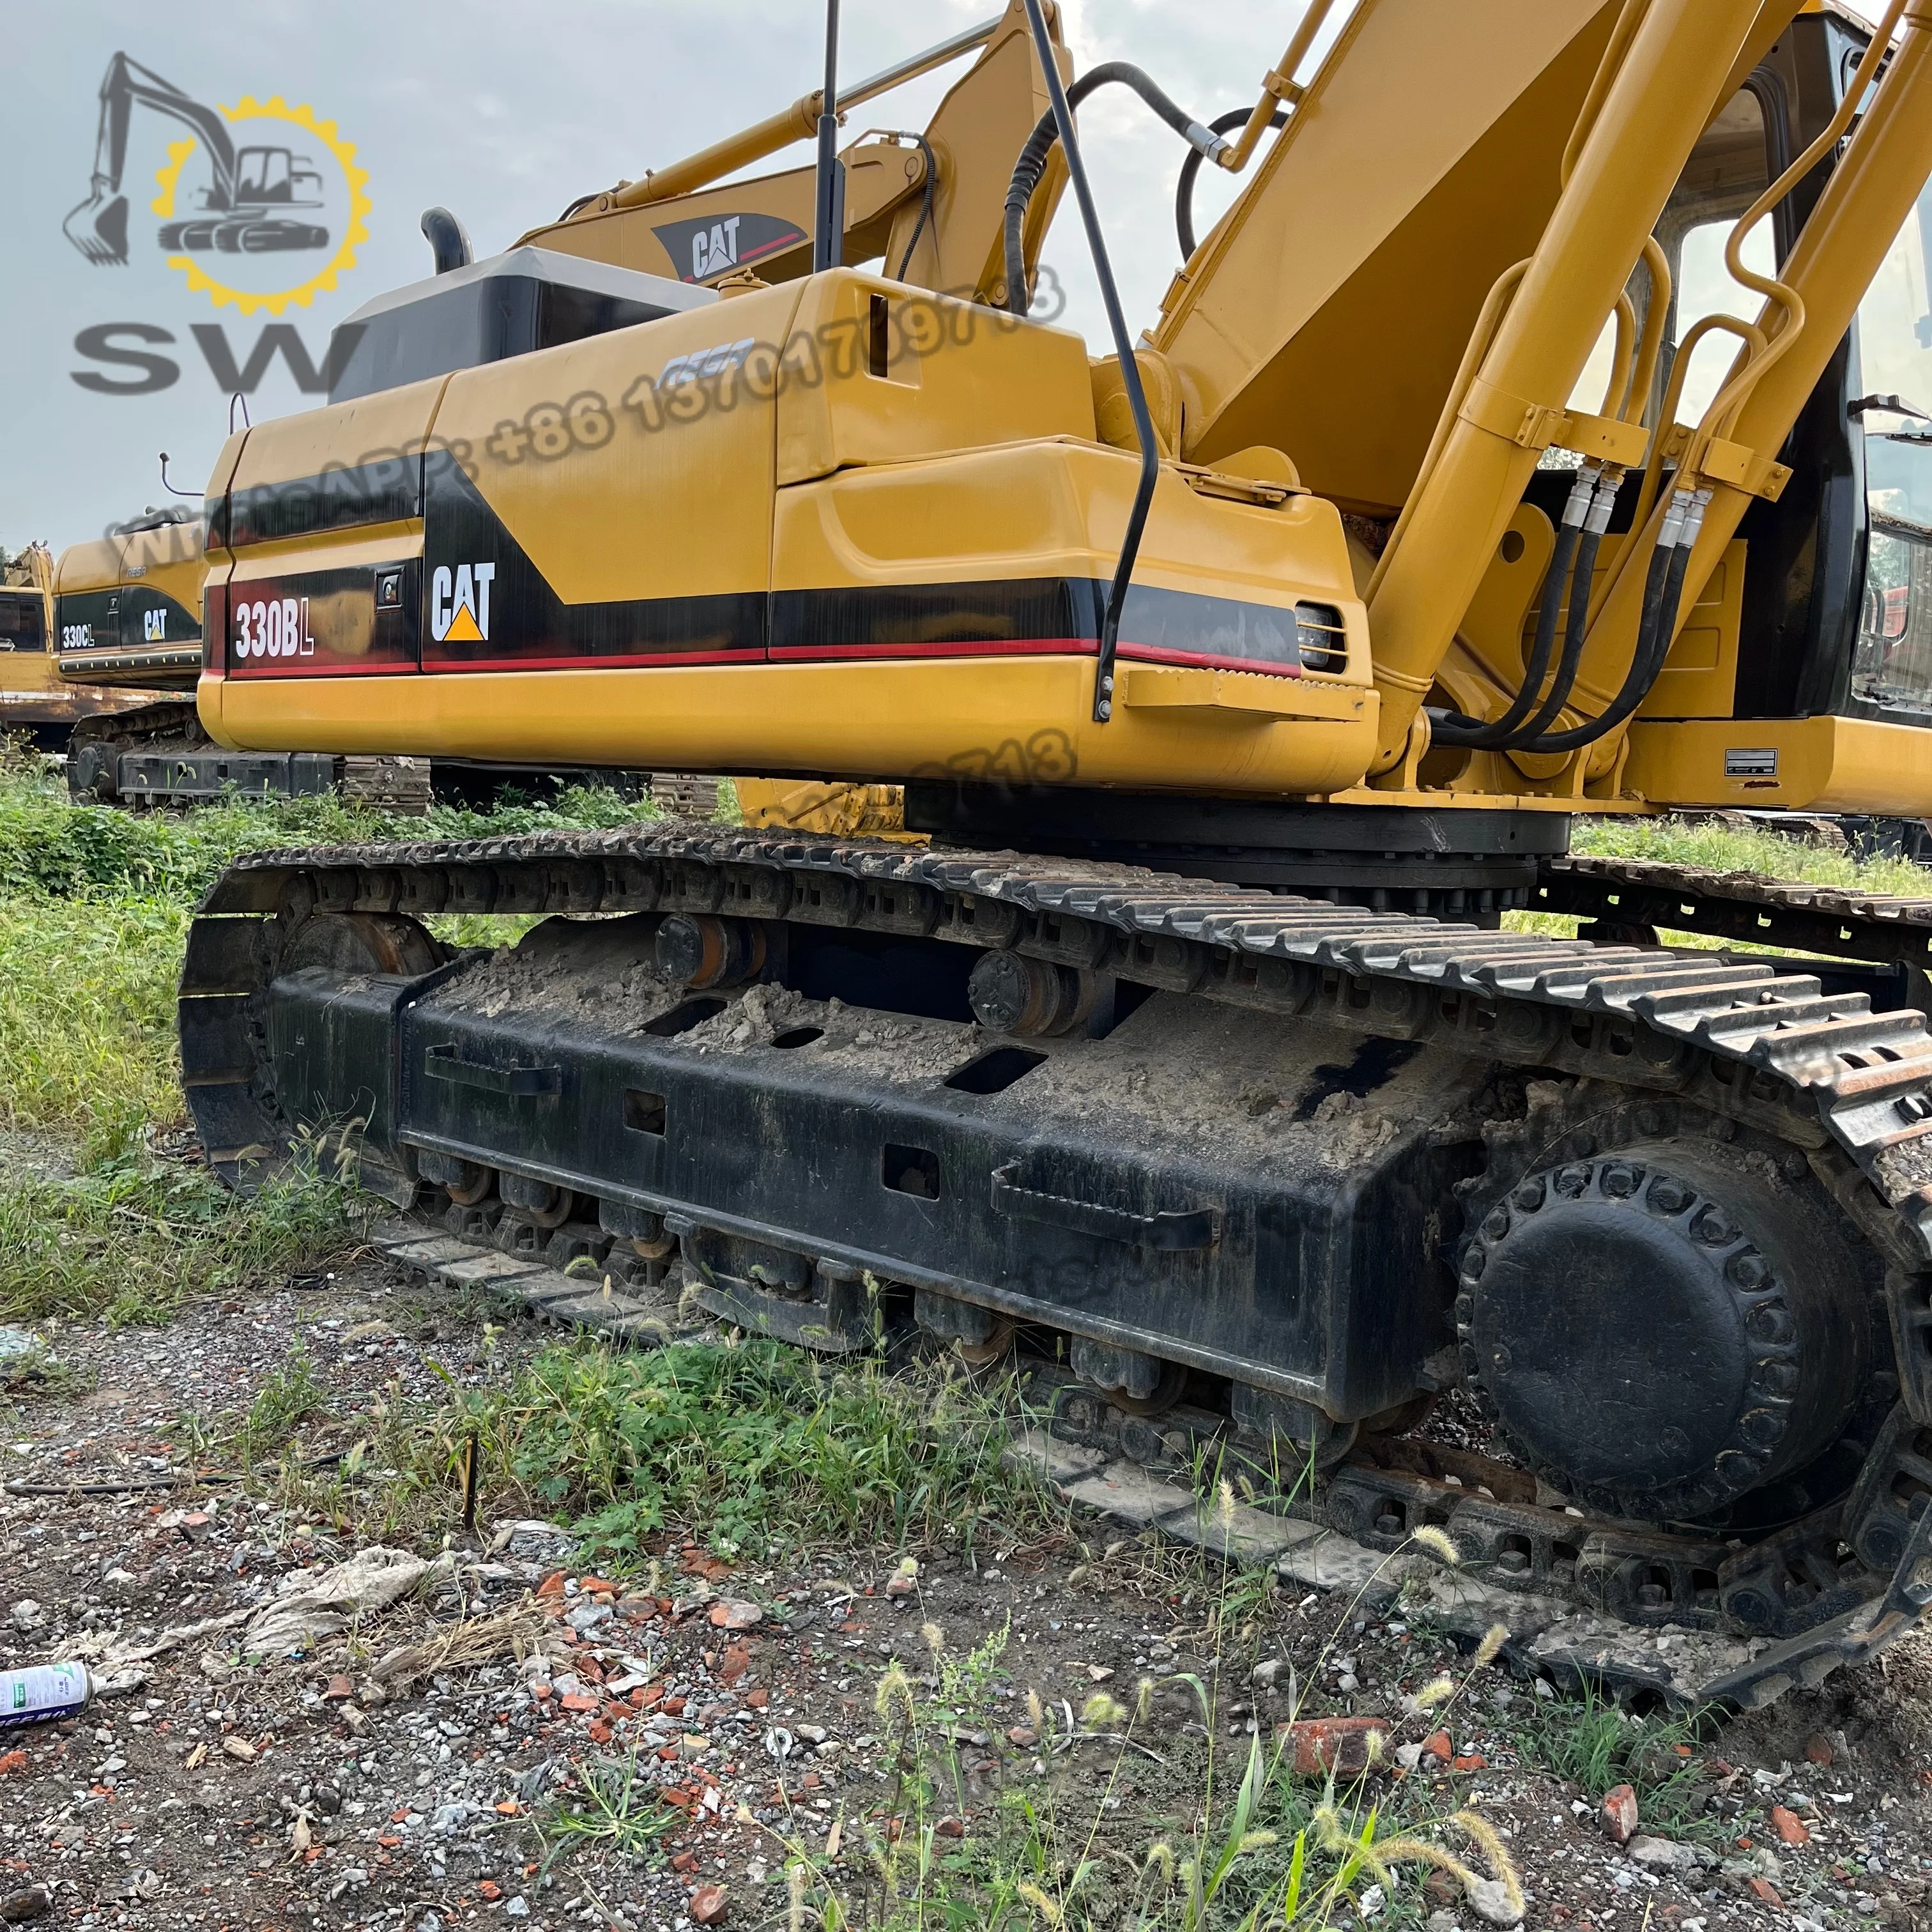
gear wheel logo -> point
(259, 205)
(266, 234)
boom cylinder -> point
(1651, 116)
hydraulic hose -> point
(1581, 577)
(925, 205)
(1464, 733)
(1190, 169)
(1664, 589)
(1032, 163)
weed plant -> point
(1088, 1837)
(1591, 1742)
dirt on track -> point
(224, 1791)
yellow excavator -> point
(1536, 435)
(37, 702)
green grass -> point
(1591, 1742)
(612, 1809)
(51, 846)
(132, 1238)
(87, 1028)
(753, 1448)
(1718, 847)
(94, 904)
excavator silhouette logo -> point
(254, 190)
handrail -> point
(1278, 85)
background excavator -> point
(1532, 436)
(247, 208)
(37, 702)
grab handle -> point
(441, 1063)
(1173, 1232)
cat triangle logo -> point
(459, 603)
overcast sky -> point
(504, 113)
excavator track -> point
(310, 994)
(161, 754)
(1829, 919)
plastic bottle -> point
(44, 1693)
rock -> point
(1444, 1921)
(1766, 1893)
(1409, 1755)
(1490, 1901)
(1619, 1815)
(1818, 1748)
(1787, 1824)
(27, 1616)
(731, 1613)
(1023, 1735)
(1267, 1671)
(708, 1905)
(1337, 1746)
(518, 1908)
(21, 1355)
(21, 1908)
(1663, 1854)
(905, 1580)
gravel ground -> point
(223, 1790)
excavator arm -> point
(98, 227)
(1422, 261)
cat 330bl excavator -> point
(1537, 433)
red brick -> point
(1321, 1746)
(1619, 1814)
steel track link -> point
(1829, 919)
(1851, 1087)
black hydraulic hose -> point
(1582, 574)
(1124, 347)
(1663, 589)
(1032, 163)
(1456, 729)
(1184, 193)
(924, 206)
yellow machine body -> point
(852, 568)
(128, 609)
(844, 529)
(37, 695)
